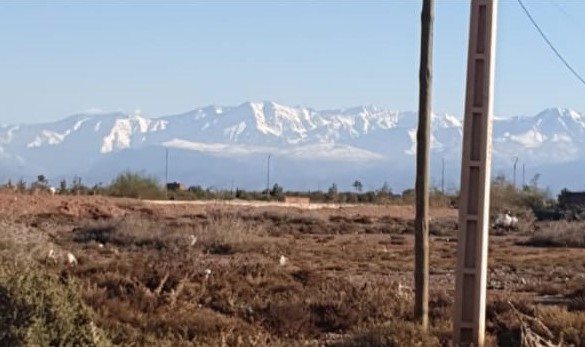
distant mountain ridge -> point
(367, 142)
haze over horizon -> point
(59, 59)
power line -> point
(560, 8)
(546, 39)
(568, 16)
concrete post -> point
(471, 274)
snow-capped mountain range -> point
(310, 149)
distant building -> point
(571, 199)
(176, 186)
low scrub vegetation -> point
(395, 333)
(135, 185)
(40, 310)
(274, 277)
(559, 234)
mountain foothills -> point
(226, 147)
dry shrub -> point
(130, 231)
(228, 233)
(562, 323)
(219, 233)
(395, 225)
(21, 244)
(301, 303)
(298, 217)
(545, 288)
(576, 300)
(440, 305)
(398, 240)
(164, 299)
(282, 223)
(392, 334)
(559, 234)
(363, 220)
(338, 306)
(443, 227)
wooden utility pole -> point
(472, 246)
(421, 223)
(166, 172)
(268, 177)
(443, 175)
(515, 163)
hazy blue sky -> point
(58, 58)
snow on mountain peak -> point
(123, 132)
(362, 134)
(446, 120)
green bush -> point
(38, 310)
(135, 185)
(505, 196)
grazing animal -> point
(52, 190)
(193, 239)
(71, 260)
(514, 223)
(404, 291)
(51, 256)
(506, 221)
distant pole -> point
(268, 178)
(473, 230)
(166, 170)
(515, 163)
(523, 175)
(421, 223)
(443, 175)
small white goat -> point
(51, 256)
(71, 260)
(506, 221)
(52, 190)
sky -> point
(58, 58)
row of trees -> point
(42, 184)
(504, 194)
(139, 185)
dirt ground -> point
(239, 275)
